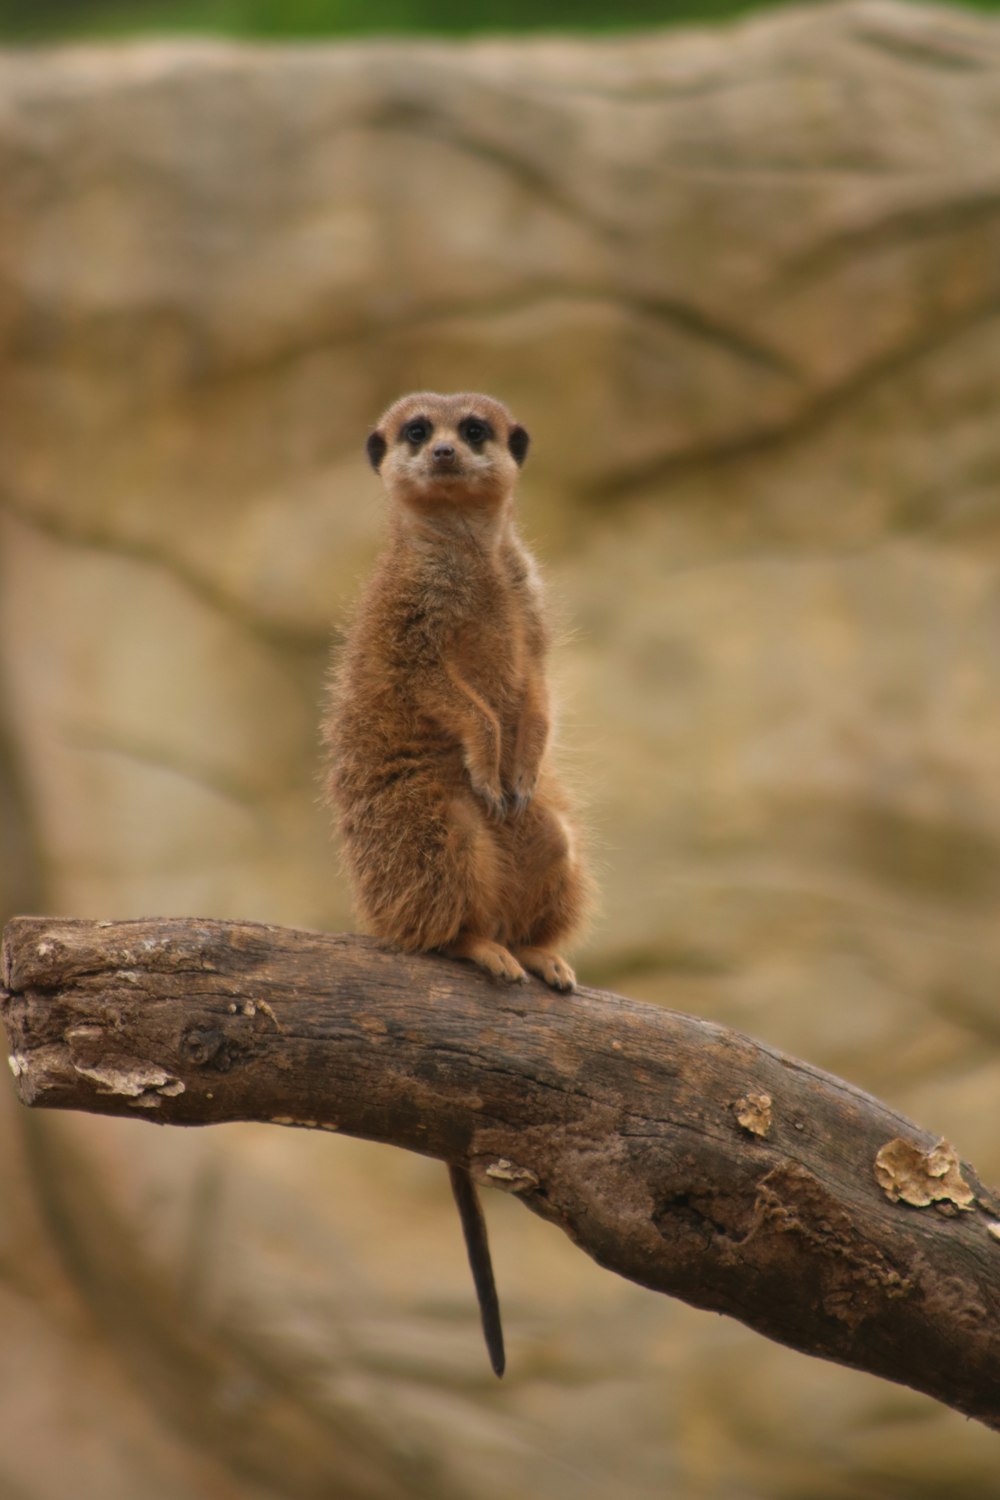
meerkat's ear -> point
(517, 442)
(375, 447)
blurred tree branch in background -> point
(686, 1157)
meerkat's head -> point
(434, 452)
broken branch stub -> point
(685, 1157)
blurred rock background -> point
(743, 286)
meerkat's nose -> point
(443, 453)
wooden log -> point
(686, 1157)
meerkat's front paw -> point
(548, 966)
(520, 794)
(492, 794)
(492, 957)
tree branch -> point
(685, 1157)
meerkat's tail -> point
(470, 1211)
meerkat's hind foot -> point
(492, 957)
(548, 966)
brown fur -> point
(456, 833)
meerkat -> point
(456, 833)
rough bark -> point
(688, 1158)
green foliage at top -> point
(29, 20)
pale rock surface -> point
(744, 288)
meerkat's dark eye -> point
(474, 431)
(416, 432)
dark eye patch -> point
(415, 432)
(475, 431)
